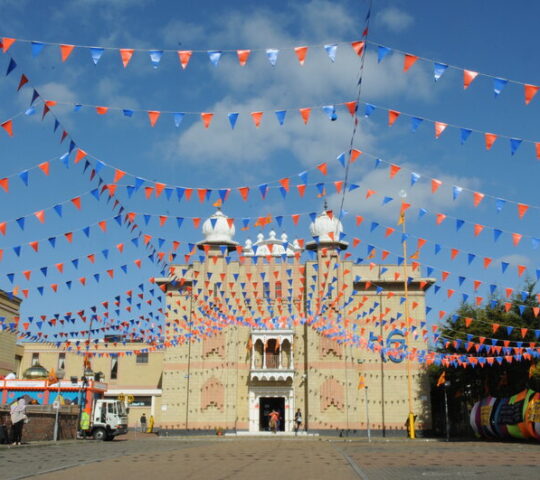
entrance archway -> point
(266, 405)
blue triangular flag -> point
(369, 110)
(438, 70)
(11, 66)
(465, 132)
(382, 52)
(214, 56)
(514, 144)
(96, 53)
(233, 117)
(498, 85)
(272, 55)
(280, 114)
(155, 57)
(37, 48)
(178, 117)
(331, 50)
(499, 204)
(415, 123)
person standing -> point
(297, 421)
(150, 425)
(274, 418)
(143, 423)
(18, 419)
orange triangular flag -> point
(184, 56)
(370, 193)
(439, 128)
(522, 209)
(153, 116)
(392, 117)
(257, 116)
(79, 155)
(478, 197)
(530, 92)
(102, 110)
(355, 154)
(351, 106)
(468, 77)
(202, 194)
(126, 54)
(77, 202)
(44, 167)
(490, 140)
(65, 51)
(284, 182)
(440, 218)
(516, 238)
(206, 118)
(244, 191)
(435, 184)
(118, 175)
(8, 127)
(40, 215)
(6, 43)
(478, 229)
(394, 169)
(358, 47)
(408, 61)
(301, 53)
(323, 168)
(487, 262)
(243, 56)
(301, 189)
(305, 112)
(339, 185)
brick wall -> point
(41, 422)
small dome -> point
(327, 227)
(36, 372)
(218, 229)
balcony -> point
(272, 355)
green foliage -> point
(498, 379)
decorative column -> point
(264, 353)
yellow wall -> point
(9, 308)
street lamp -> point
(59, 376)
(446, 385)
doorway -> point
(266, 405)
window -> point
(266, 289)
(61, 361)
(279, 290)
(35, 358)
(114, 368)
(142, 357)
(140, 401)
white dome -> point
(272, 246)
(216, 229)
(324, 225)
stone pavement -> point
(212, 458)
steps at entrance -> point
(270, 434)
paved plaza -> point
(282, 458)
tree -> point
(498, 334)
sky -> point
(496, 39)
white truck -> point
(108, 419)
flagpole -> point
(446, 385)
(412, 433)
(367, 414)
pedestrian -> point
(18, 419)
(274, 418)
(297, 421)
(143, 423)
(150, 425)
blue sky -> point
(494, 38)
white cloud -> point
(395, 19)
(515, 259)
(261, 87)
(419, 196)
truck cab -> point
(109, 419)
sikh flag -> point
(442, 379)
(532, 370)
(401, 219)
(361, 382)
(52, 377)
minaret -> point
(327, 233)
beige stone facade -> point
(10, 355)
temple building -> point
(280, 334)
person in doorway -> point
(274, 419)
(143, 422)
(18, 419)
(297, 421)
(150, 428)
